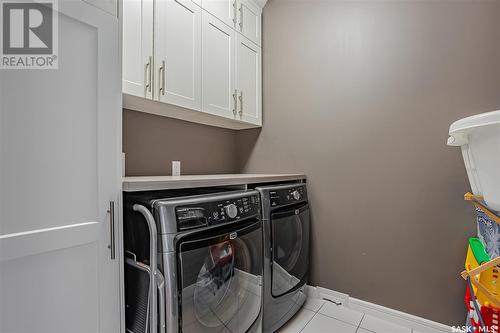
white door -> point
(178, 53)
(109, 6)
(138, 67)
(249, 20)
(218, 65)
(248, 81)
(60, 150)
(224, 10)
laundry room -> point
(233, 166)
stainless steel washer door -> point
(221, 278)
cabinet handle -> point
(234, 12)
(111, 246)
(161, 74)
(235, 101)
(148, 75)
(241, 17)
(241, 103)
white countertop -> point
(148, 183)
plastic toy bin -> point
(482, 289)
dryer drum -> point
(218, 288)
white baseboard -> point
(332, 295)
(405, 319)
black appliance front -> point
(286, 230)
(220, 279)
(290, 248)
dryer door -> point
(221, 279)
(290, 249)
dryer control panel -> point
(288, 196)
(217, 212)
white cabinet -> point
(224, 10)
(248, 81)
(249, 20)
(178, 53)
(137, 22)
(218, 67)
(184, 53)
(60, 169)
(242, 15)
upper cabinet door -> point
(138, 71)
(248, 81)
(60, 167)
(218, 65)
(178, 53)
(249, 20)
(224, 10)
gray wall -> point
(359, 96)
(152, 142)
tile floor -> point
(317, 316)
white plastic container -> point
(479, 138)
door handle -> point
(111, 246)
(241, 17)
(234, 13)
(148, 75)
(241, 103)
(161, 74)
(235, 101)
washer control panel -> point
(288, 195)
(216, 212)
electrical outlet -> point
(176, 168)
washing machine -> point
(208, 260)
(286, 227)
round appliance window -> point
(220, 288)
